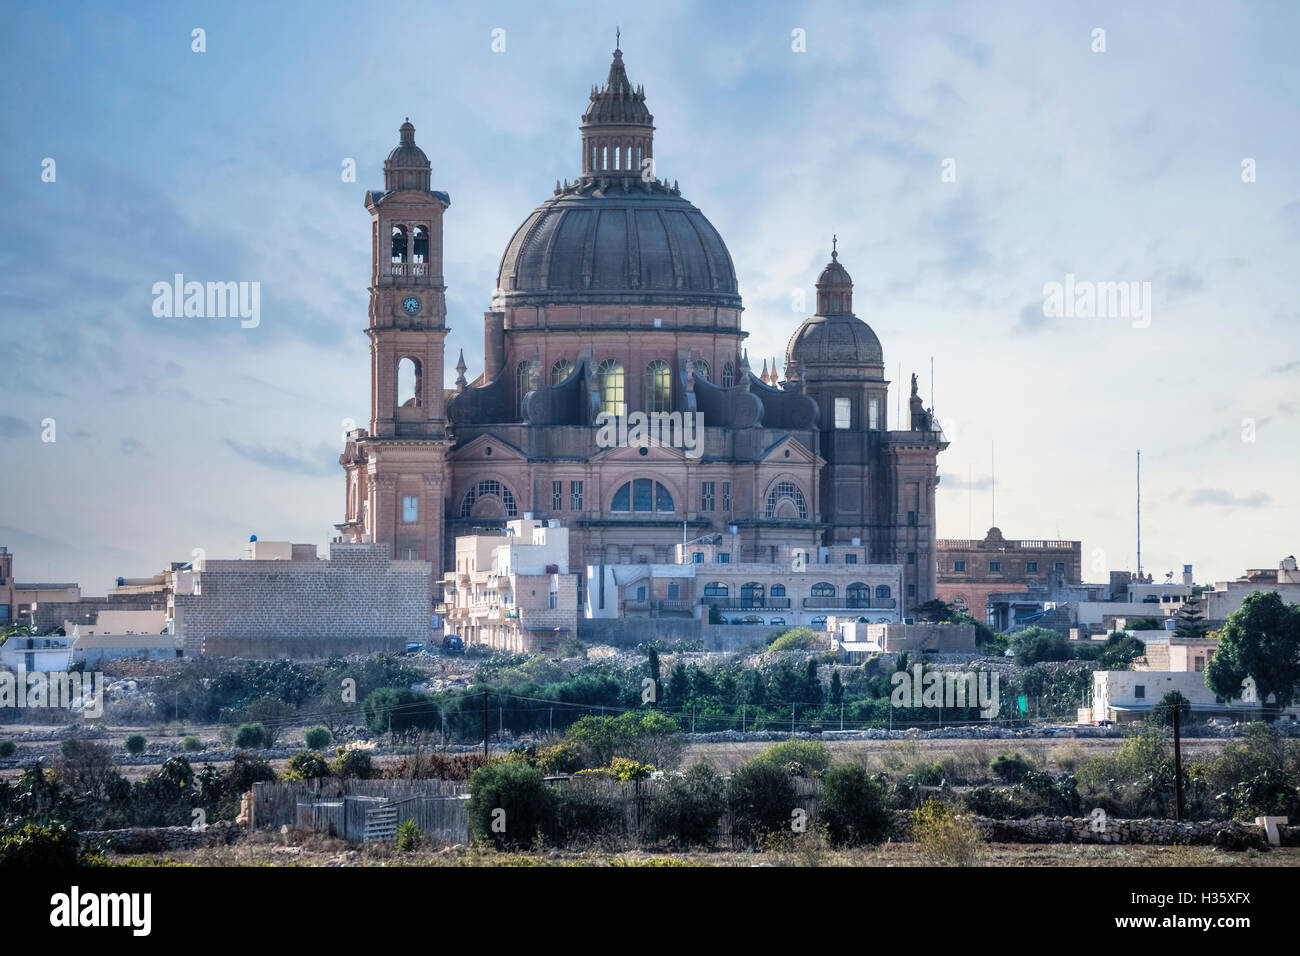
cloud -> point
(11, 427)
(949, 482)
(133, 447)
(1222, 498)
(323, 460)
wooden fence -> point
(347, 808)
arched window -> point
(420, 248)
(593, 157)
(702, 369)
(823, 589)
(858, 594)
(786, 501)
(409, 383)
(751, 594)
(715, 589)
(642, 494)
(658, 387)
(399, 244)
(561, 370)
(609, 379)
(488, 499)
(882, 591)
(728, 376)
(618, 157)
(523, 385)
(604, 157)
(777, 590)
(640, 163)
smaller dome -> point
(834, 275)
(407, 167)
(843, 340)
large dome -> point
(642, 246)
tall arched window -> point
(728, 376)
(420, 247)
(702, 369)
(777, 591)
(751, 594)
(715, 589)
(399, 244)
(823, 591)
(786, 501)
(409, 383)
(604, 157)
(858, 594)
(642, 494)
(658, 387)
(609, 379)
(523, 385)
(882, 591)
(561, 370)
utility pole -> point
(550, 720)
(1139, 514)
(1178, 764)
(792, 710)
(841, 715)
(485, 727)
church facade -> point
(616, 296)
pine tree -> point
(837, 688)
(1190, 623)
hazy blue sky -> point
(1125, 165)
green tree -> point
(1190, 623)
(307, 765)
(1162, 714)
(679, 685)
(510, 805)
(134, 743)
(250, 737)
(652, 664)
(317, 738)
(853, 806)
(1036, 644)
(933, 610)
(1260, 641)
(837, 688)
(762, 798)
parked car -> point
(414, 647)
(453, 644)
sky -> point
(966, 155)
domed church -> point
(617, 302)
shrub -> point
(1068, 756)
(762, 798)
(795, 639)
(43, 846)
(408, 836)
(352, 763)
(134, 743)
(1012, 767)
(946, 838)
(317, 738)
(811, 756)
(307, 765)
(399, 709)
(685, 808)
(589, 812)
(510, 805)
(629, 771)
(192, 744)
(563, 757)
(7, 748)
(853, 806)
(250, 736)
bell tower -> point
(396, 468)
